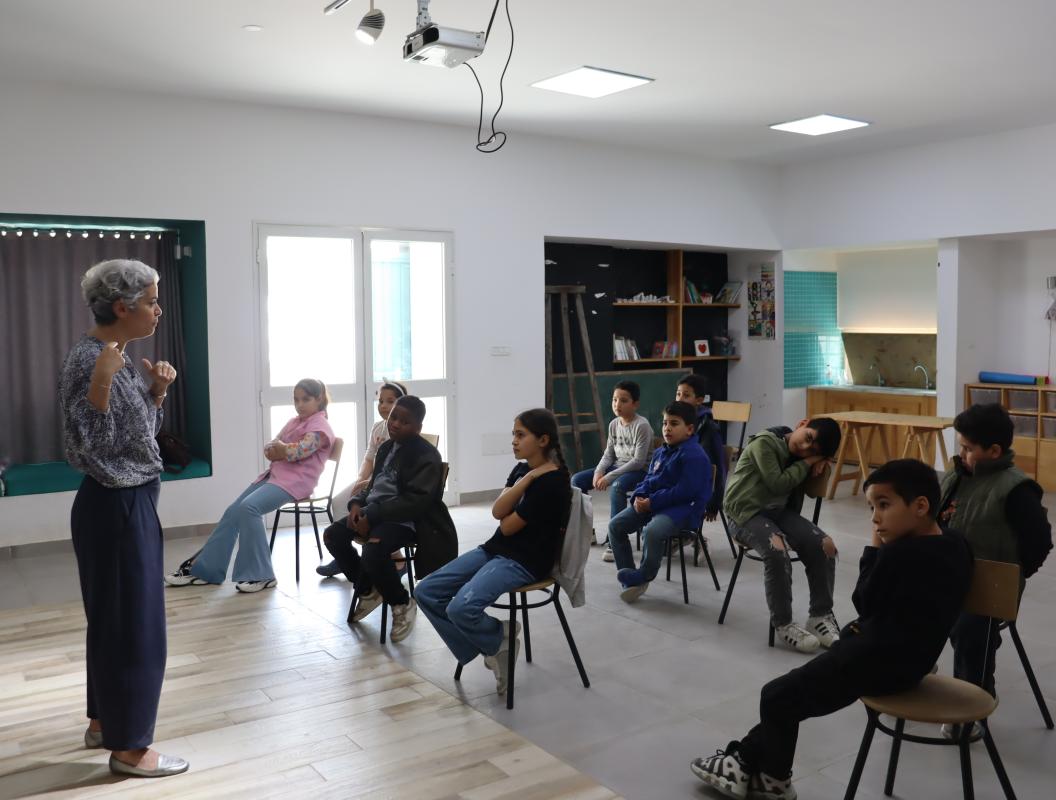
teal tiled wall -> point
(812, 339)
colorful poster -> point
(762, 308)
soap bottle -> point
(828, 375)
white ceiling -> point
(920, 70)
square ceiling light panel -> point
(819, 125)
(591, 82)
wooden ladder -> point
(575, 427)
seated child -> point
(532, 512)
(672, 497)
(764, 495)
(626, 455)
(693, 389)
(297, 455)
(912, 582)
(388, 393)
(999, 511)
(401, 505)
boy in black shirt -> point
(912, 583)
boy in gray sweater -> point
(622, 465)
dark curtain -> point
(43, 314)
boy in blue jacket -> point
(672, 497)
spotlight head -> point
(370, 26)
(334, 6)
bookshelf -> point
(1033, 412)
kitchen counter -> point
(904, 390)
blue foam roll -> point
(1007, 377)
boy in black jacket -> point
(912, 583)
(401, 505)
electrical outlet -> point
(499, 351)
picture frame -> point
(701, 347)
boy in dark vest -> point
(998, 509)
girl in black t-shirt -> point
(532, 512)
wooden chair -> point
(317, 504)
(432, 438)
(940, 699)
(552, 590)
(730, 411)
(403, 556)
(814, 488)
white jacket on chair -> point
(572, 561)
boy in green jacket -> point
(762, 502)
(998, 509)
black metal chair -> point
(815, 489)
(552, 590)
(940, 699)
(317, 504)
(1010, 626)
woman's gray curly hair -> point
(113, 280)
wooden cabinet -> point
(827, 401)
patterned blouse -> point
(116, 447)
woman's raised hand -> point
(162, 373)
(108, 363)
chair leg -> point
(318, 544)
(668, 545)
(352, 608)
(995, 759)
(527, 632)
(274, 528)
(384, 620)
(892, 764)
(511, 652)
(297, 543)
(863, 754)
(638, 539)
(707, 557)
(733, 582)
(729, 538)
(571, 642)
(1042, 706)
(770, 636)
(966, 762)
(682, 562)
(458, 672)
(409, 562)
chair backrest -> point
(994, 591)
(815, 488)
(733, 411)
(335, 456)
(432, 438)
(445, 468)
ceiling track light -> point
(337, 5)
(371, 25)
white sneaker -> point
(500, 663)
(607, 555)
(764, 787)
(366, 604)
(403, 620)
(798, 638)
(593, 537)
(249, 587)
(183, 577)
(632, 593)
(826, 629)
(723, 772)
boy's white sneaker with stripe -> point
(723, 772)
(825, 629)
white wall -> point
(980, 185)
(887, 291)
(1022, 335)
(83, 152)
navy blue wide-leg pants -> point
(118, 542)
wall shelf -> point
(711, 358)
(645, 305)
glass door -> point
(409, 286)
(311, 301)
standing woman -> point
(110, 418)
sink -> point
(879, 389)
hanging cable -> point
(497, 138)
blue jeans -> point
(618, 489)
(657, 530)
(241, 522)
(455, 597)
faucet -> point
(879, 378)
(928, 385)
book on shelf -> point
(692, 294)
(624, 349)
(667, 349)
(729, 293)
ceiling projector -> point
(443, 47)
(438, 46)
